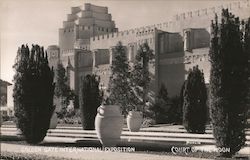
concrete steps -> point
(166, 128)
(154, 134)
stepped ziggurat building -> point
(88, 36)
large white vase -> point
(134, 121)
(108, 124)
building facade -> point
(88, 36)
(6, 101)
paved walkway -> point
(212, 148)
(87, 154)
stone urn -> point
(108, 124)
(53, 121)
(134, 121)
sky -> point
(37, 21)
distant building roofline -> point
(53, 47)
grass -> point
(26, 156)
(32, 156)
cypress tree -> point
(228, 80)
(140, 76)
(76, 101)
(91, 98)
(194, 102)
(247, 51)
(33, 93)
(62, 90)
(119, 88)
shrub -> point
(91, 98)
(72, 116)
(161, 106)
(175, 111)
(7, 118)
(166, 110)
(148, 122)
(33, 93)
(228, 77)
(194, 102)
(76, 101)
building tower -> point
(80, 26)
(74, 37)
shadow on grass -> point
(8, 138)
(138, 145)
(159, 148)
(79, 143)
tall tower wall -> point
(88, 36)
(83, 24)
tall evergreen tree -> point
(62, 91)
(140, 77)
(228, 80)
(247, 51)
(91, 98)
(33, 93)
(119, 88)
(194, 102)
